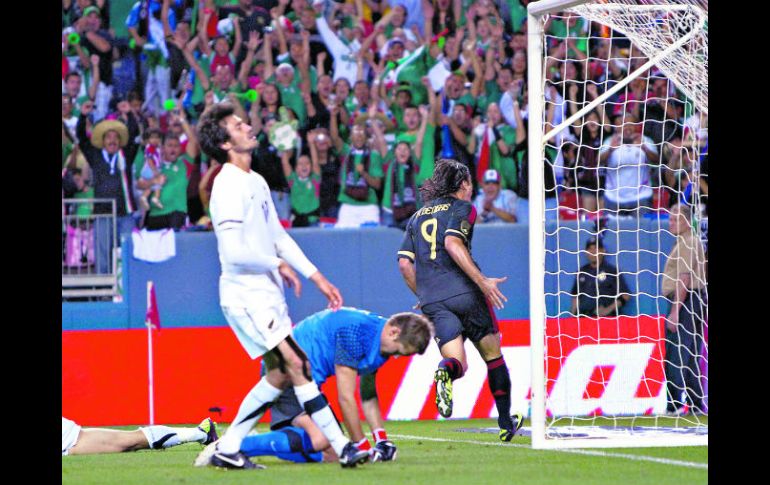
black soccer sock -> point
(453, 367)
(500, 386)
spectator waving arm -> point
(95, 79)
(251, 48)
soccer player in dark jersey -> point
(435, 260)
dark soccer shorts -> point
(285, 409)
(467, 314)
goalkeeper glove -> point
(374, 454)
(386, 449)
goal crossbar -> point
(624, 82)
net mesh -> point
(626, 203)
(658, 25)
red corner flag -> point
(483, 163)
(152, 317)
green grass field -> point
(429, 452)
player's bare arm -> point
(371, 408)
(370, 404)
(460, 255)
(346, 394)
(408, 273)
(384, 449)
(291, 252)
(329, 290)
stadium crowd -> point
(352, 102)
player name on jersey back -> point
(432, 209)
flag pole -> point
(148, 323)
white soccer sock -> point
(260, 395)
(324, 418)
(166, 437)
(188, 435)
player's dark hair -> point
(212, 133)
(447, 179)
(416, 330)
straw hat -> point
(101, 128)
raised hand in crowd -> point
(592, 91)
(87, 108)
(572, 90)
(320, 59)
(254, 39)
(208, 99)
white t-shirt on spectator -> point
(506, 200)
(345, 62)
(628, 173)
(414, 14)
(506, 109)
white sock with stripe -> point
(252, 408)
(323, 417)
(166, 437)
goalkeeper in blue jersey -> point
(346, 343)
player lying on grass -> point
(76, 440)
(346, 343)
(436, 263)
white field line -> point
(653, 459)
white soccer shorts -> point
(69, 434)
(259, 329)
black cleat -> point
(210, 428)
(352, 456)
(237, 460)
(508, 434)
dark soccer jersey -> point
(438, 276)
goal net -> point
(618, 155)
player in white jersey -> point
(257, 257)
(76, 440)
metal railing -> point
(90, 249)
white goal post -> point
(670, 37)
